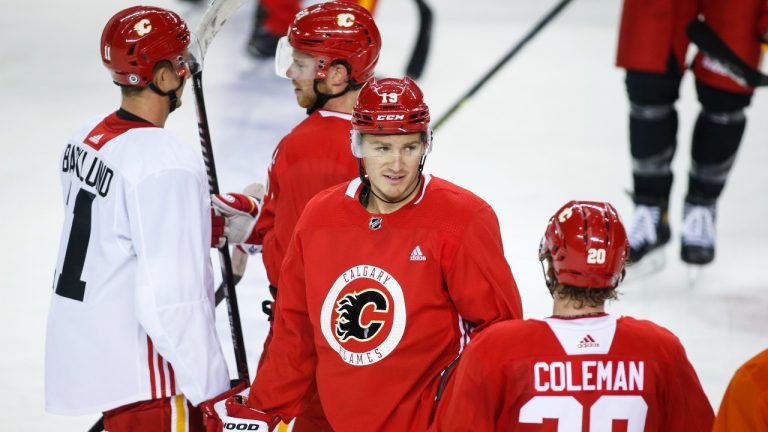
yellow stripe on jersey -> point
(181, 413)
(367, 4)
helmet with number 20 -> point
(586, 244)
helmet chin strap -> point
(173, 100)
(368, 189)
(323, 98)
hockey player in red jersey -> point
(330, 51)
(652, 48)
(580, 369)
(131, 324)
(386, 279)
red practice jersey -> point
(581, 375)
(651, 30)
(314, 156)
(745, 404)
(375, 306)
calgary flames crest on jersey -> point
(363, 315)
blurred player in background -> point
(652, 49)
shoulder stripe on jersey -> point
(325, 113)
(427, 178)
(352, 187)
(112, 126)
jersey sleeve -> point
(688, 408)
(478, 278)
(745, 404)
(288, 365)
(170, 226)
(471, 399)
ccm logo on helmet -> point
(390, 117)
(240, 426)
(143, 27)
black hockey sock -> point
(716, 139)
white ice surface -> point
(550, 127)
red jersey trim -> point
(111, 127)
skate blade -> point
(652, 263)
(694, 274)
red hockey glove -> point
(229, 411)
(240, 212)
(217, 229)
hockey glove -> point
(229, 411)
(241, 213)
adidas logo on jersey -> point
(588, 342)
(96, 138)
(416, 255)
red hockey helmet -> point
(587, 244)
(136, 39)
(390, 106)
(329, 32)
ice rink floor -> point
(550, 127)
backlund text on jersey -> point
(88, 169)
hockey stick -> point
(535, 30)
(213, 19)
(421, 49)
(710, 43)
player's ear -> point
(165, 77)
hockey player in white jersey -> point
(131, 324)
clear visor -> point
(380, 146)
(293, 64)
(194, 55)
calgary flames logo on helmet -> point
(350, 309)
(363, 315)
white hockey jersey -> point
(132, 311)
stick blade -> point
(214, 18)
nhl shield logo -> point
(375, 223)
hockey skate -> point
(648, 232)
(697, 245)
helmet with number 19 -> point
(586, 245)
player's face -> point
(302, 73)
(392, 163)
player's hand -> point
(240, 212)
(229, 411)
